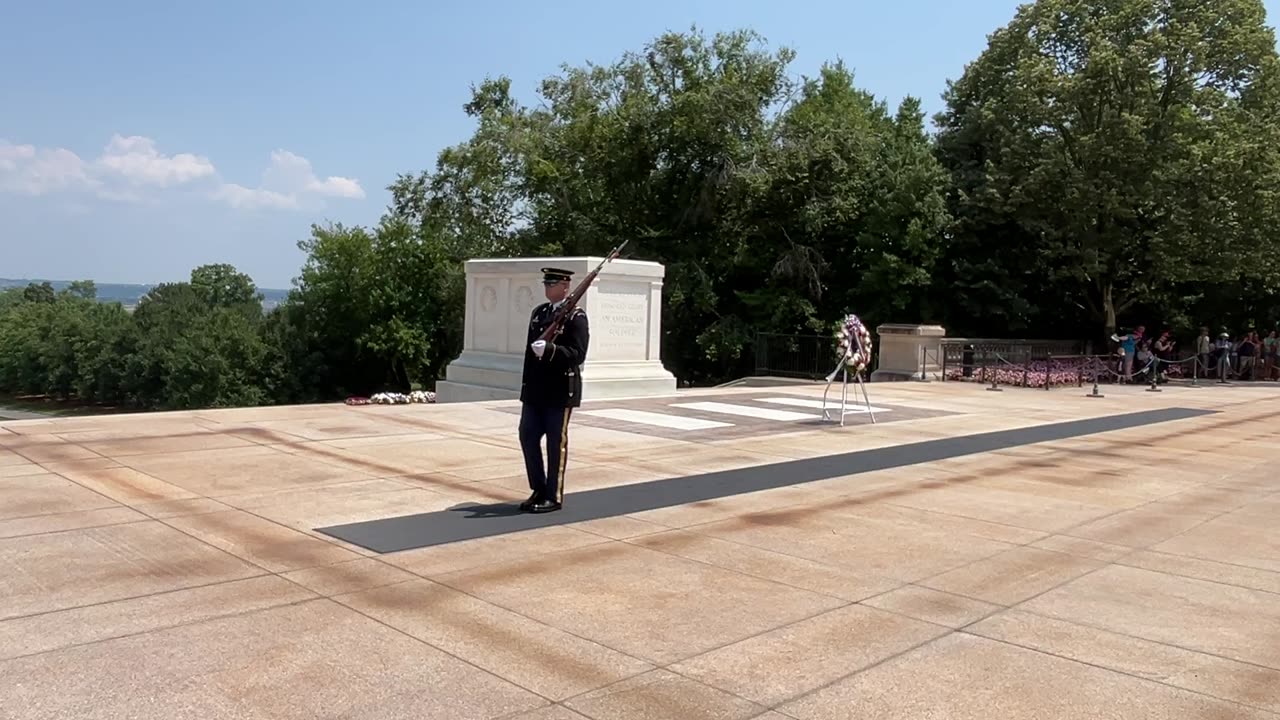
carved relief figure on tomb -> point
(488, 299)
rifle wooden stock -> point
(571, 300)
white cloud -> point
(286, 182)
(11, 155)
(26, 170)
(132, 169)
(136, 159)
(239, 196)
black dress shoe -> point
(528, 504)
(545, 506)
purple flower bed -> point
(1059, 372)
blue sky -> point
(141, 139)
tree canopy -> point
(1122, 155)
(774, 203)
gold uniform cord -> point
(564, 454)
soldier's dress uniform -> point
(551, 387)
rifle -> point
(571, 300)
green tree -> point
(221, 285)
(326, 312)
(697, 151)
(416, 297)
(215, 360)
(851, 214)
(42, 292)
(102, 355)
(197, 344)
(1108, 152)
(472, 200)
(374, 309)
(24, 328)
(63, 345)
(85, 289)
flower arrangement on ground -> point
(387, 398)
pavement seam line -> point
(1065, 533)
(78, 529)
(188, 623)
(1201, 693)
(964, 628)
(397, 630)
(1121, 633)
(1145, 548)
(1104, 564)
(133, 597)
(419, 578)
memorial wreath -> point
(853, 343)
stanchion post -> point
(1154, 368)
(1095, 393)
(995, 375)
(1195, 371)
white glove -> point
(539, 347)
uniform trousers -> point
(537, 421)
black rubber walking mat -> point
(476, 521)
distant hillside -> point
(128, 295)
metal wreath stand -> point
(854, 344)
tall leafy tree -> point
(851, 214)
(1107, 152)
(374, 309)
(221, 285)
(197, 344)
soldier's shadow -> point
(490, 510)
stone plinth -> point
(624, 311)
(908, 351)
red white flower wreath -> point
(853, 343)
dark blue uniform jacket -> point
(555, 379)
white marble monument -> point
(908, 352)
(624, 311)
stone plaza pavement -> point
(171, 565)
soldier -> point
(549, 390)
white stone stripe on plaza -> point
(833, 404)
(644, 417)
(747, 411)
